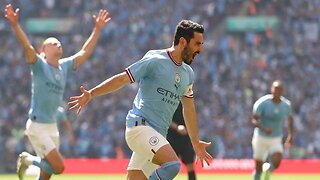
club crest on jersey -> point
(58, 76)
(154, 140)
(177, 79)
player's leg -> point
(258, 169)
(55, 160)
(138, 139)
(45, 141)
(168, 161)
(268, 168)
(43, 175)
(51, 164)
(136, 174)
(145, 141)
(181, 144)
(260, 153)
(191, 172)
(139, 167)
(276, 160)
(276, 150)
(187, 156)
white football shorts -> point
(264, 146)
(43, 137)
(144, 141)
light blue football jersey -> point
(162, 83)
(47, 89)
(272, 115)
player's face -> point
(53, 46)
(56, 48)
(277, 90)
(194, 47)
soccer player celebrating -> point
(269, 114)
(165, 78)
(48, 73)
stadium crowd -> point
(234, 70)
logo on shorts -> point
(154, 140)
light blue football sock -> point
(42, 164)
(256, 175)
(167, 171)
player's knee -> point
(167, 171)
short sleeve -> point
(37, 66)
(257, 107)
(189, 90)
(67, 64)
(140, 69)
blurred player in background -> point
(48, 73)
(165, 78)
(180, 141)
(269, 114)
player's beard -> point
(188, 56)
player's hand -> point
(267, 130)
(11, 15)
(202, 154)
(102, 19)
(79, 101)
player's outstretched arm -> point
(13, 18)
(189, 115)
(100, 21)
(112, 84)
(79, 101)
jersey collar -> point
(169, 52)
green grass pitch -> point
(180, 177)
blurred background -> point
(248, 44)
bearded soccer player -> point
(165, 78)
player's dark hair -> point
(186, 29)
